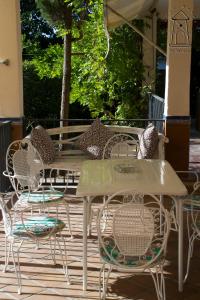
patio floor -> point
(42, 280)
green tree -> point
(109, 84)
(66, 16)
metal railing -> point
(156, 110)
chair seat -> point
(41, 197)
(40, 226)
(112, 254)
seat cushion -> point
(94, 139)
(43, 143)
(38, 226)
(148, 142)
(110, 253)
(41, 197)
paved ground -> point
(43, 281)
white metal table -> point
(103, 177)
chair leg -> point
(65, 267)
(190, 252)
(7, 254)
(68, 217)
(17, 270)
(63, 257)
(103, 281)
(53, 249)
(91, 214)
(159, 282)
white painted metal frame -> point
(14, 241)
(25, 169)
(150, 176)
(121, 145)
(132, 238)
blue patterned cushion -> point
(38, 226)
(111, 251)
(41, 197)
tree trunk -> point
(66, 80)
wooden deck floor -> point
(44, 281)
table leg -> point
(180, 244)
(85, 223)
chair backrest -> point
(24, 165)
(132, 229)
(137, 222)
(120, 146)
(192, 205)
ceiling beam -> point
(137, 30)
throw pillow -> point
(94, 139)
(43, 143)
(148, 142)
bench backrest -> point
(74, 131)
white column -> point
(11, 90)
(177, 88)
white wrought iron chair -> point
(121, 146)
(133, 238)
(31, 227)
(192, 208)
(25, 169)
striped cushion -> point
(40, 226)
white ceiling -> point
(131, 9)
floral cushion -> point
(110, 253)
(148, 142)
(43, 143)
(94, 139)
(39, 197)
(40, 226)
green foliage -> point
(53, 11)
(41, 95)
(110, 86)
(34, 28)
(48, 62)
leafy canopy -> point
(109, 85)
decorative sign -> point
(181, 29)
